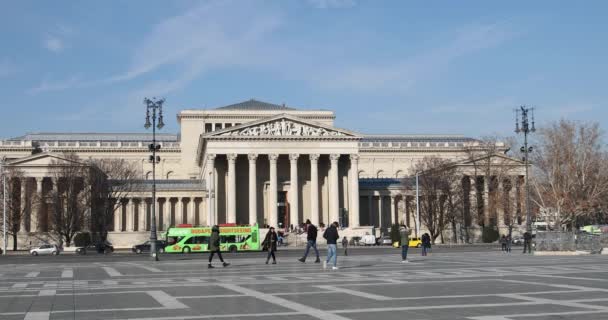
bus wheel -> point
(233, 249)
(186, 250)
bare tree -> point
(114, 179)
(440, 195)
(571, 172)
(70, 201)
(490, 159)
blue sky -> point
(383, 66)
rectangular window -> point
(202, 240)
(208, 127)
(228, 239)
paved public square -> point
(370, 284)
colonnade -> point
(134, 214)
(294, 192)
(32, 209)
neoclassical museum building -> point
(257, 162)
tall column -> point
(293, 190)
(231, 217)
(473, 203)
(273, 219)
(45, 217)
(117, 214)
(180, 208)
(191, 211)
(500, 204)
(370, 208)
(253, 203)
(353, 211)
(166, 213)
(130, 215)
(122, 223)
(314, 189)
(142, 211)
(393, 211)
(380, 212)
(23, 206)
(486, 202)
(37, 212)
(211, 193)
(334, 196)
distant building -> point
(257, 162)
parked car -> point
(384, 240)
(518, 241)
(101, 247)
(415, 243)
(45, 249)
(145, 247)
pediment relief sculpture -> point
(284, 128)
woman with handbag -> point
(270, 244)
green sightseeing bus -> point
(233, 238)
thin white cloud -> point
(205, 36)
(55, 39)
(401, 75)
(53, 44)
(53, 85)
(332, 4)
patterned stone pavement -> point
(465, 285)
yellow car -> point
(415, 243)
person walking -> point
(311, 241)
(345, 245)
(527, 242)
(426, 243)
(270, 244)
(404, 234)
(331, 235)
(214, 247)
(503, 244)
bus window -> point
(242, 238)
(202, 240)
(190, 240)
(174, 240)
(228, 239)
(254, 236)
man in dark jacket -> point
(331, 235)
(527, 242)
(214, 246)
(311, 241)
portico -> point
(281, 171)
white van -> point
(368, 240)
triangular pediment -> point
(283, 125)
(43, 159)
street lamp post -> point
(527, 126)
(154, 105)
(417, 207)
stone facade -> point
(255, 162)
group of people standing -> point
(331, 236)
